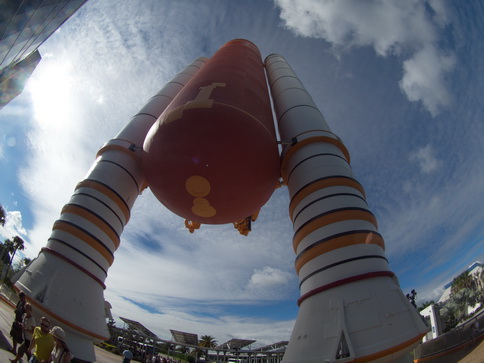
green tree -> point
(450, 315)
(26, 261)
(207, 341)
(4, 256)
(13, 245)
(9, 248)
(479, 277)
(112, 331)
(465, 292)
(3, 216)
(182, 349)
(463, 281)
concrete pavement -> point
(473, 355)
(6, 319)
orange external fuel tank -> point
(212, 156)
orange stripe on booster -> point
(332, 217)
(335, 243)
(85, 237)
(321, 184)
(392, 350)
(94, 219)
(315, 139)
(111, 194)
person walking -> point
(42, 341)
(16, 331)
(127, 356)
(28, 326)
(61, 353)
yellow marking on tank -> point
(202, 100)
(199, 187)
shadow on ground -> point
(4, 342)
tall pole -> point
(351, 307)
(66, 281)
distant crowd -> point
(40, 344)
(156, 358)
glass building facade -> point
(24, 26)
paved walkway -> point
(6, 319)
(473, 355)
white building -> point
(430, 311)
(473, 269)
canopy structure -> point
(235, 344)
(139, 328)
(184, 338)
(275, 347)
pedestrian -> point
(127, 356)
(475, 330)
(42, 341)
(61, 352)
(28, 325)
(16, 331)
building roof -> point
(184, 338)
(275, 347)
(138, 328)
(235, 344)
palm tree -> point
(10, 247)
(13, 246)
(3, 216)
(464, 293)
(463, 281)
(479, 277)
(206, 341)
(4, 257)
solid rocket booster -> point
(351, 307)
(212, 156)
(66, 281)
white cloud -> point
(222, 326)
(425, 158)
(13, 225)
(267, 277)
(13, 109)
(403, 28)
(213, 264)
(424, 78)
(439, 215)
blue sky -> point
(400, 82)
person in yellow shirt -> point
(42, 341)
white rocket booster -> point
(351, 307)
(66, 281)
